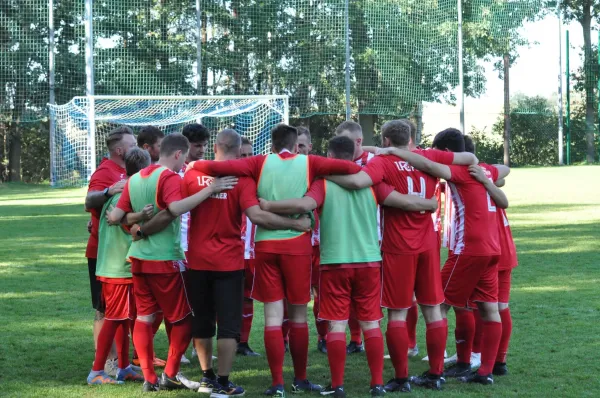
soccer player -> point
(149, 139)
(304, 148)
(350, 262)
(158, 284)
(410, 254)
(283, 258)
(198, 136)
(471, 271)
(114, 273)
(107, 181)
(216, 265)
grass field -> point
(46, 346)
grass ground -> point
(45, 316)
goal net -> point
(79, 128)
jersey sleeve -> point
(247, 167)
(317, 192)
(435, 155)
(382, 191)
(124, 202)
(169, 189)
(100, 180)
(460, 174)
(247, 196)
(375, 169)
(320, 166)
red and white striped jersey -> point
(362, 161)
(185, 221)
(248, 232)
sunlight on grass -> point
(535, 289)
(29, 295)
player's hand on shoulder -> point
(383, 151)
(116, 188)
(264, 204)
(478, 173)
(223, 183)
(148, 212)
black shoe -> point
(245, 350)
(334, 392)
(322, 346)
(477, 378)
(286, 346)
(230, 390)
(397, 385)
(300, 386)
(167, 383)
(275, 391)
(458, 370)
(207, 385)
(355, 348)
(377, 391)
(149, 387)
(428, 380)
(500, 369)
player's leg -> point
(356, 344)
(320, 324)
(243, 347)
(504, 281)
(477, 337)
(411, 325)
(285, 326)
(125, 311)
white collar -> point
(284, 151)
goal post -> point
(78, 146)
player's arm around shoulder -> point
(387, 196)
(419, 162)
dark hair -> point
(284, 137)
(195, 133)
(303, 131)
(397, 131)
(469, 144)
(135, 160)
(413, 130)
(350, 126)
(149, 135)
(116, 135)
(451, 139)
(229, 140)
(172, 143)
(246, 141)
(341, 147)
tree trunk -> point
(14, 152)
(506, 63)
(590, 114)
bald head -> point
(228, 144)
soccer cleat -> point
(207, 385)
(355, 348)
(276, 391)
(111, 366)
(136, 369)
(334, 392)
(189, 384)
(101, 378)
(428, 380)
(397, 385)
(128, 374)
(500, 369)
(184, 360)
(458, 370)
(167, 383)
(159, 363)
(413, 352)
(377, 391)
(245, 350)
(475, 360)
(322, 346)
(149, 387)
(231, 390)
(477, 378)
(300, 386)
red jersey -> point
(107, 174)
(407, 232)
(474, 228)
(252, 167)
(216, 224)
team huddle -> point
(358, 231)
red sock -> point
(299, 348)
(181, 335)
(464, 332)
(506, 332)
(411, 325)
(396, 337)
(436, 336)
(122, 343)
(248, 315)
(131, 327)
(105, 340)
(157, 321)
(336, 355)
(374, 349)
(492, 332)
(285, 326)
(354, 329)
(143, 339)
(275, 352)
(478, 331)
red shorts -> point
(345, 289)
(504, 278)
(161, 292)
(316, 262)
(470, 278)
(248, 277)
(119, 301)
(282, 276)
(408, 275)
